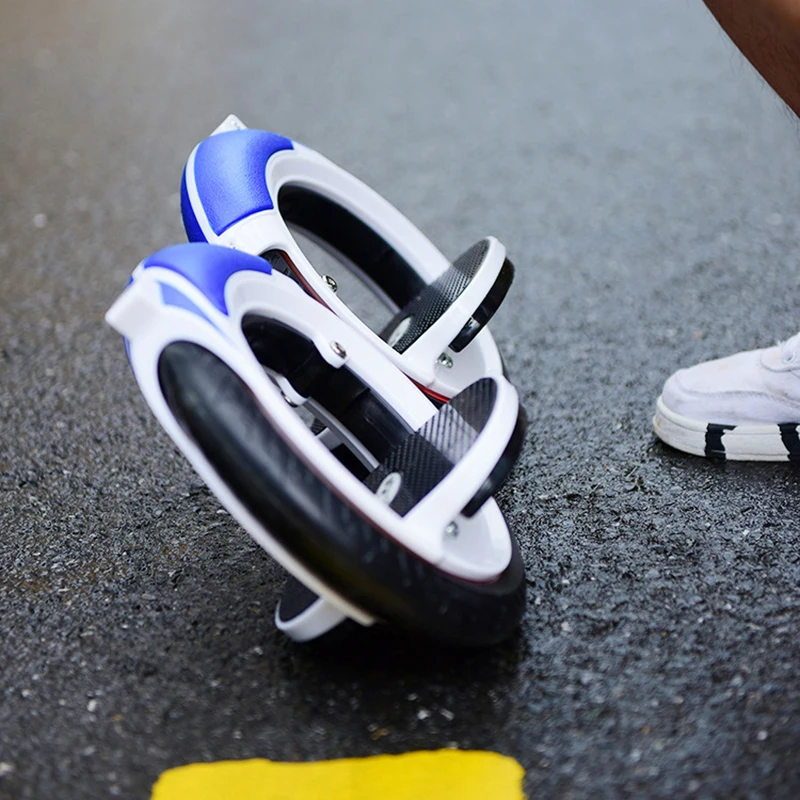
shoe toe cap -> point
(733, 390)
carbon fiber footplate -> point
(432, 302)
(415, 467)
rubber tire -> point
(322, 531)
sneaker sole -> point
(779, 442)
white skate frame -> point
(266, 230)
(482, 549)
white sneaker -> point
(745, 407)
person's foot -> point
(745, 407)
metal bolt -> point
(389, 487)
(451, 530)
(339, 350)
(332, 285)
(445, 361)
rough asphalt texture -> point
(645, 183)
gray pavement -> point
(645, 183)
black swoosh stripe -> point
(714, 446)
(790, 439)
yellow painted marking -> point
(428, 775)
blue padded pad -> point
(207, 267)
(229, 171)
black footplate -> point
(415, 467)
(432, 302)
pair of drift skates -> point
(363, 462)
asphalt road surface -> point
(645, 182)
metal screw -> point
(334, 287)
(451, 530)
(339, 350)
(445, 361)
(389, 487)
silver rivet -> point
(332, 285)
(389, 487)
(339, 350)
(288, 400)
(451, 530)
(445, 361)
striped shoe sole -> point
(769, 442)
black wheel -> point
(280, 487)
